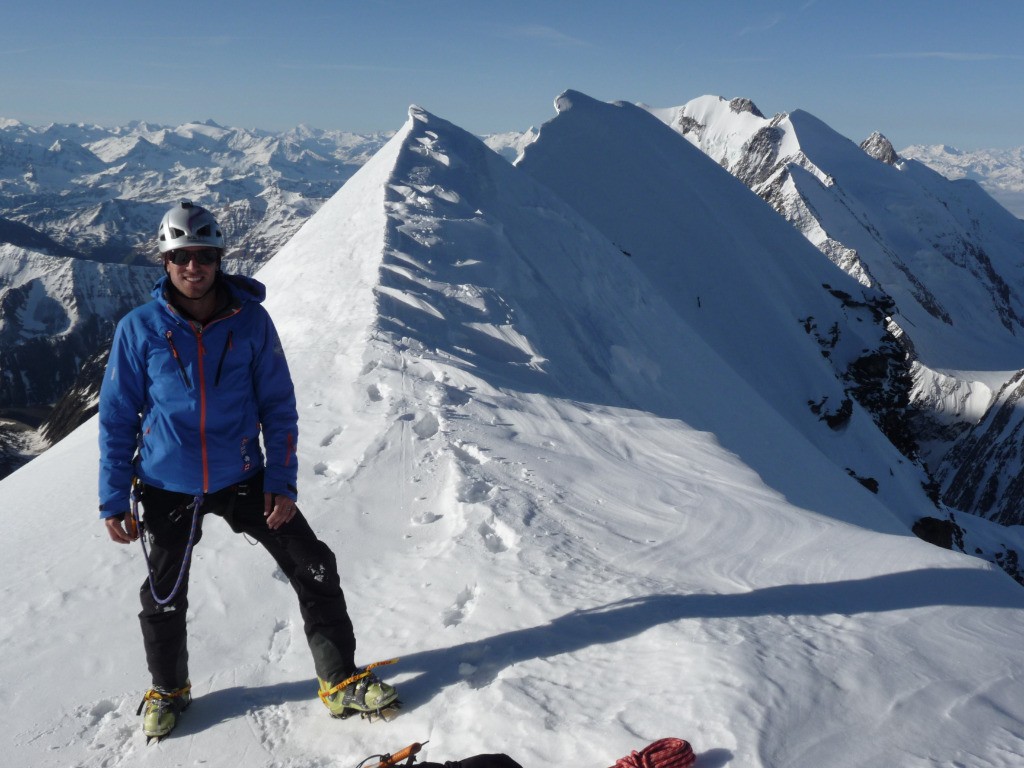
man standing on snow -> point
(195, 379)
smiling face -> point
(193, 279)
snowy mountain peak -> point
(569, 99)
(880, 223)
(440, 186)
(745, 105)
(880, 148)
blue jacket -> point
(183, 407)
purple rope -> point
(197, 502)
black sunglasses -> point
(204, 256)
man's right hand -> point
(119, 532)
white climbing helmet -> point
(187, 224)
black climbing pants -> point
(307, 562)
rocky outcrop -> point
(984, 472)
(745, 105)
(80, 402)
(880, 148)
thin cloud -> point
(762, 26)
(347, 67)
(29, 50)
(949, 56)
(545, 34)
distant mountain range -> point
(99, 191)
(1000, 172)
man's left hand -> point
(278, 510)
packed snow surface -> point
(579, 526)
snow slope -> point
(511, 439)
(743, 279)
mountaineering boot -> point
(162, 708)
(363, 693)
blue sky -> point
(919, 72)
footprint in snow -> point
(280, 641)
(462, 607)
(474, 491)
(426, 427)
(468, 453)
(329, 437)
(426, 518)
(492, 539)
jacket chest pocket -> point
(231, 361)
(172, 360)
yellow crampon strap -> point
(153, 693)
(365, 672)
